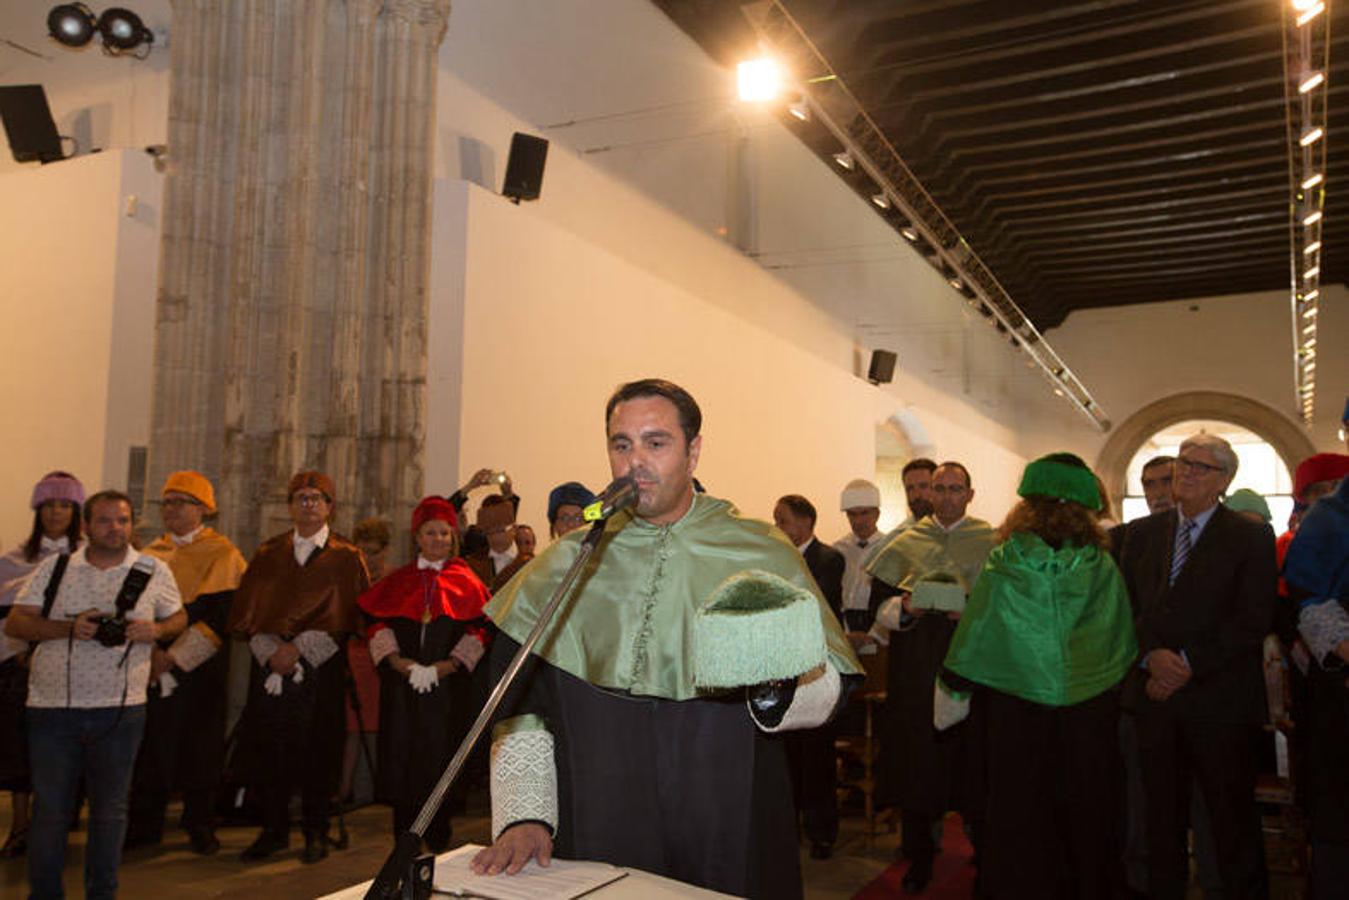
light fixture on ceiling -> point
(1311, 273)
(909, 233)
(1312, 217)
(1309, 312)
(1311, 81)
(1306, 11)
(1310, 135)
(800, 110)
(1312, 181)
(758, 80)
(72, 24)
(1311, 248)
(844, 160)
(122, 31)
(881, 201)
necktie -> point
(1184, 541)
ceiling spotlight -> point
(1311, 273)
(910, 233)
(1311, 248)
(844, 160)
(1311, 81)
(1309, 312)
(800, 110)
(1312, 181)
(955, 282)
(881, 200)
(1310, 136)
(1312, 294)
(1312, 217)
(1309, 12)
(72, 24)
(123, 31)
(758, 80)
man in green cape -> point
(640, 735)
(923, 772)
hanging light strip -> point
(1306, 60)
(909, 208)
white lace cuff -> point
(524, 779)
(468, 651)
(264, 646)
(812, 704)
(382, 645)
(315, 646)
(193, 647)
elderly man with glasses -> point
(1202, 582)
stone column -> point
(291, 328)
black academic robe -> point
(420, 732)
(686, 789)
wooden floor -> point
(174, 871)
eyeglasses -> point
(1195, 467)
(308, 499)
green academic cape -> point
(921, 769)
(628, 623)
(1050, 626)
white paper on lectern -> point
(561, 879)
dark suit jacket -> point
(826, 564)
(1218, 612)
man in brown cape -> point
(296, 606)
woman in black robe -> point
(427, 636)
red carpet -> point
(952, 873)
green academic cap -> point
(1247, 500)
(1062, 476)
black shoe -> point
(918, 876)
(268, 842)
(821, 850)
(315, 846)
(204, 842)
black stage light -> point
(122, 30)
(72, 24)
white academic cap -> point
(860, 493)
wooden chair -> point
(866, 747)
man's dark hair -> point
(1158, 461)
(800, 506)
(690, 416)
(950, 463)
(106, 497)
(921, 462)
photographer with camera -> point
(94, 614)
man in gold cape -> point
(184, 743)
(922, 772)
(611, 746)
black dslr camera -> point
(112, 629)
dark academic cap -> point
(571, 493)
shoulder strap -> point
(54, 584)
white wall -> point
(553, 322)
(1241, 344)
(78, 305)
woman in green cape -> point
(1048, 635)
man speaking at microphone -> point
(641, 736)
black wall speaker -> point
(28, 124)
(882, 369)
(524, 167)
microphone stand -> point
(398, 876)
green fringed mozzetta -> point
(756, 627)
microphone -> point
(620, 494)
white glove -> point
(167, 685)
(299, 674)
(422, 678)
(272, 685)
(948, 707)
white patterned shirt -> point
(85, 674)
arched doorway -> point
(1258, 467)
(1287, 441)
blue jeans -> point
(64, 744)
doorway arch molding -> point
(1287, 439)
